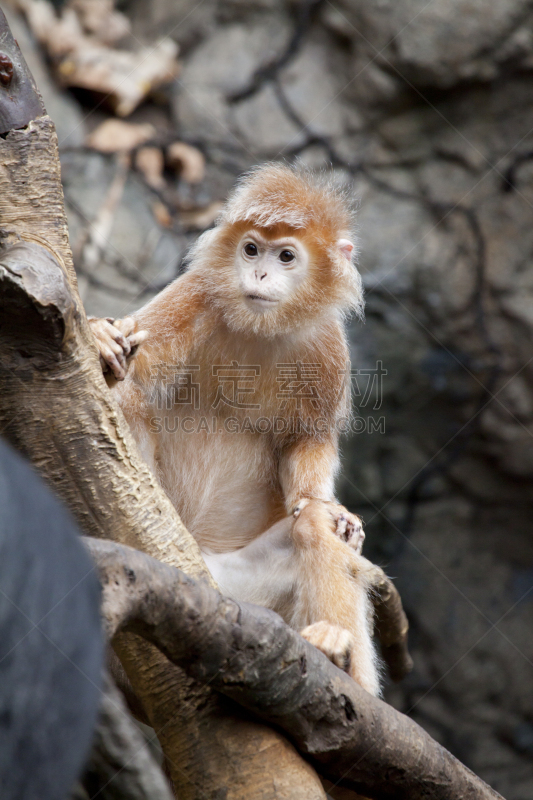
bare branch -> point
(249, 654)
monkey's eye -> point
(250, 249)
(286, 256)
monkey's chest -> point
(221, 478)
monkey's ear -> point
(346, 248)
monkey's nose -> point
(260, 277)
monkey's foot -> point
(335, 642)
(345, 525)
(349, 527)
(117, 341)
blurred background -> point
(423, 111)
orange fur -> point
(235, 490)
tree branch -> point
(249, 654)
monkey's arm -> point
(307, 472)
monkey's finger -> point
(359, 547)
(351, 526)
(335, 642)
(115, 334)
(114, 364)
(124, 343)
(342, 526)
(118, 351)
(115, 346)
(137, 338)
(356, 539)
(126, 325)
(107, 333)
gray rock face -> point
(444, 43)
(423, 111)
(138, 259)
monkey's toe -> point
(335, 642)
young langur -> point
(236, 399)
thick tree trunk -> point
(55, 407)
(249, 653)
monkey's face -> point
(269, 270)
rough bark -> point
(251, 655)
(55, 407)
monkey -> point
(236, 398)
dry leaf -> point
(115, 135)
(125, 77)
(186, 160)
(100, 19)
(149, 161)
(78, 44)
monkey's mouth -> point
(259, 298)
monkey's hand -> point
(117, 341)
(335, 642)
(345, 525)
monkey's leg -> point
(315, 581)
(263, 572)
(333, 605)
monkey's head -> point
(282, 253)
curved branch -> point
(249, 654)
